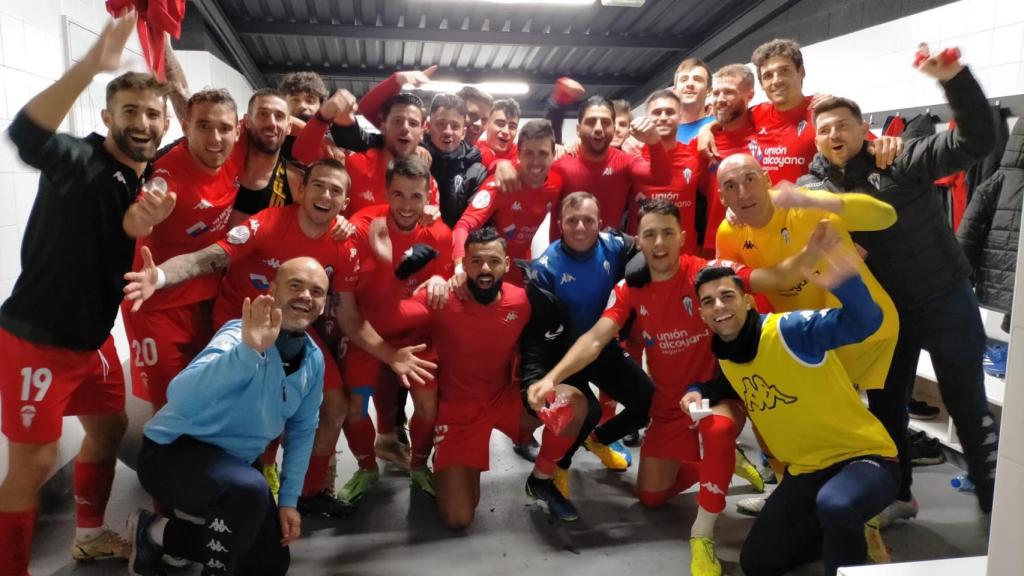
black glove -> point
(414, 259)
(637, 272)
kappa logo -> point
(216, 546)
(748, 245)
(273, 263)
(553, 334)
(219, 526)
(608, 172)
(120, 177)
(876, 180)
(197, 229)
(567, 278)
(607, 267)
(543, 260)
(203, 205)
(259, 281)
(762, 132)
(712, 488)
(761, 396)
(785, 235)
(687, 173)
(800, 127)
(688, 304)
(28, 413)
(517, 206)
(254, 224)
(368, 195)
(643, 310)
(511, 317)
(215, 564)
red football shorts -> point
(163, 342)
(672, 438)
(462, 432)
(39, 385)
(360, 370)
(332, 374)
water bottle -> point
(962, 483)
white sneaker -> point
(898, 510)
(751, 506)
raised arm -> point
(583, 352)
(150, 278)
(860, 212)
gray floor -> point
(397, 532)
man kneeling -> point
(842, 463)
(259, 376)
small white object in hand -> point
(699, 411)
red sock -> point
(718, 436)
(360, 436)
(385, 402)
(270, 454)
(608, 407)
(16, 541)
(421, 440)
(91, 482)
(552, 449)
(316, 474)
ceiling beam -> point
(759, 14)
(470, 76)
(302, 29)
(221, 27)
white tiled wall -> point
(32, 56)
(873, 66)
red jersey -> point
(477, 370)
(728, 143)
(688, 169)
(677, 340)
(610, 180)
(785, 140)
(378, 290)
(368, 171)
(259, 246)
(200, 218)
(517, 217)
(489, 156)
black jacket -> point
(918, 257)
(458, 174)
(990, 230)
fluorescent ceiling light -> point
(488, 87)
(571, 2)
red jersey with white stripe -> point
(677, 341)
(488, 155)
(517, 216)
(785, 140)
(368, 171)
(200, 218)
(258, 246)
(378, 290)
(478, 370)
(610, 180)
(688, 168)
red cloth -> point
(155, 18)
(895, 127)
(957, 184)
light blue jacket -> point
(239, 400)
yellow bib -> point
(810, 416)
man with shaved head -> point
(260, 376)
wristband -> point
(161, 278)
